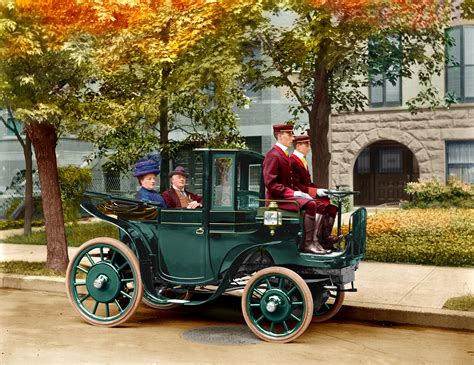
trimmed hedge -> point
(441, 237)
(12, 224)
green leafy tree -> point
(38, 77)
(333, 49)
(155, 79)
(73, 181)
(14, 126)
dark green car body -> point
(166, 256)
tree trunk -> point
(164, 130)
(319, 126)
(164, 138)
(43, 137)
(28, 186)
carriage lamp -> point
(272, 217)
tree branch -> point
(12, 127)
(285, 74)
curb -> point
(430, 317)
(38, 283)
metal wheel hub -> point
(275, 305)
(103, 282)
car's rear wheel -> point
(104, 283)
(326, 303)
(277, 304)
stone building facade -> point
(425, 135)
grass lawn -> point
(464, 303)
(28, 268)
(76, 235)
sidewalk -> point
(399, 293)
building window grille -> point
(363, 162)
(390, 161)
(460, 160)
(460, 64)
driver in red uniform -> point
(279, 186)
(325, 211)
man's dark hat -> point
(301, 139)
(179, 170)
(150, 164)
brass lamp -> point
(272, 217)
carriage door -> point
(183, 236)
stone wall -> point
(424, 134)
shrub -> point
(422, 236)
(433, 193)
(37, 207)
(73, 181)
(12, 224)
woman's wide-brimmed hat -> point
(179, 170)
(150, 164)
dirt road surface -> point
(40, 328)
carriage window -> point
(222, 182)
(249, 178)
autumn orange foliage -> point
(99, 15)
(417, 14)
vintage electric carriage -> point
(180, 257)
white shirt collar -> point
(284, 148)
(175, 188)
(299, 154)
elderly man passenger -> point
(177, 196)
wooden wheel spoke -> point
(295, 317)
(79, 267)
(125, 294)
(90, 259)
(272, 327)
(122, 266)
(95, 307)
(84, 297)
(118, 305)
(292, 290)
(113, 256)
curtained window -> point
(460, 63)
(460, 160)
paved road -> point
(41, 328)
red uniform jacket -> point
(302, 182)
(172, 199)
(278, 180)
(301, 177)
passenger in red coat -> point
(279, 186)
(325, 211)
(177, 196)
